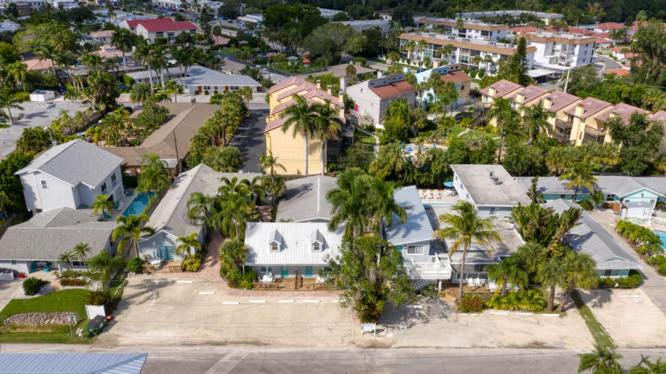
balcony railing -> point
(595, 132)
(563, 124)
(439, 268)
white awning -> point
(538, 73)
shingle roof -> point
(170, 214)
(560, 100)
(532, 92)
(286, 83)
(619, 185)
(622, 111)
(295, 240)
(590, 107)
(456, 76)
(502, 87)
(72, 363)
(75, 162)
(490, 185)
(393, 90)
(305, 199)
(589, 237)
(417, 228)
(162, 24)
(49, 234)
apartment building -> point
(501, 89)
(561, 51)
(444, 50)
(591, 126)
(527, 97)
(373, 97)
(559, 103)
(448, 74)
(466, 29)
(546, 18)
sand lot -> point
(629, 316)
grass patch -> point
(73, 300)
(596, 329)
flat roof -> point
(490, 185)
(473, 44)
(619, 185)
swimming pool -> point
(139, 204)
(662, 236)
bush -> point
(31, 286)
(657, 261)
(72, 282)
(662, 269)
(586, 204)
(247, 279)
(531, 301)
(135, 265)
(191, 263)
(633, 280)
(637, 234)
(100, 297)
(471, 304)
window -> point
(492, 211)
(415, 249)
(316, 246)
(608, 273)
(274, 247)
(114, 179)
(44, 184)
(104, 187)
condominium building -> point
(443, 49)
(559, 103)
(546, 18)
(561, 51)
(466, 29)
(373, 97)
(591, 118)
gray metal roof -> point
(75, 162)
(72, 363)
(305, 199)
(295, 239)
(144, 74)
(202, 76)
(170, 214)
(49, 234)
(591, 238)
(418, 227)
(490, 185)
(619, 185)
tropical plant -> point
(124, 40)
(154, 175)
(67, 258)
(465, 227)
(302, 118)
(270, 163)
(536, 121)
(129, 230)
(104, 266)
(603, 360)
(505, 118)
(81, 251)
(188, 243)
(102, 205)
(508, 271)
(328, 125)
(198, 207)
(140, 93)
(579, 176)
(9, 101)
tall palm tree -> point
(188, 243)
(9, 101)
(303, 119)
(18, 73)
(504, 116)
(465, 227)
(140, 93)
(536, 121)
(67, 258)
(508, 271)
(103, 205)
(349, 199)
(579, 176)
(81, 251)
(384, 207)
(270, 162)
(129, 231)
(198, 207)
(124, 40)
(142, 54)
(328, 125)
(104, 266)
(604, 360)
(172, 88)
(579, 272)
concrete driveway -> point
(251, 142)
(7, 291)
(169, 311)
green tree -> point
(81, 251)
(330, 40)
(397, 121)
(578, 176)
(508, 271)
(198, 207)
(104, 266)
(228, 159)
(270, 163)
(328, 125)
(188, 243)
(603, 360)
(645, 366)
(648, 42)
(536, 121)
(9, 101)
(465, 227)
(124, 40)
(505, 118)
(34, 140)
(640, 139)
(302, 119)
(154, 175)
(67, 258)
(129, 230)
(102, 205)
(232, 208)
(140, 93)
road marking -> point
(309, 301)
(230, 303)
(335, 301)
(524, 314)
(206, 292)
(184, 281)
(551, 314)
(496, 313)
(285, 301)
(257, 301)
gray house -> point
(169, 219)
(39, 242)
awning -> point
(538, 73)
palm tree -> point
(536, 121)
(142, 54)
(604, 360)
(18, 72)
(188, 243)
(504, 116)
(465, 227)
(129, 230)
(328, 125)
(270, 162)
(172, 88)
(198, 207)
(67, 258)
(508, 271)
(140, 93)
(233, 207)
(303, 118)
(579, 176)
(124, 40)
(384, 207)
(393, 57)
(103, 205)
(9, 101)
(349, 200)
(81, 251)
(275, 187)
(104, 266)
(579, 272)
(245, 93)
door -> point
(308, 272)
(284, 272)
(166, 252)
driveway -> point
(7, 291)
(251, 142)
(606, 63)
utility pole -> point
(175, 145)
(566, 81)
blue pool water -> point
(662, 236)
(138, 205)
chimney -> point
(579, 110)
(547, 103)
(318, 83)
(380, 74)
(343, 84)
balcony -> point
(438, 268)
(593, 135)
(564, 125)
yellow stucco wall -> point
(290, 152)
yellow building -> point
(596, 129)
(559, 103)
(528, 97)
(290, 148)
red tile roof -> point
(162, 24)
(393, 90)
(590, 106)
(502, 88)
(618, 72)
(523, 29)
(609, 26)
(286, 83)
(532, 92)
(457, 76)
(560, 100)
(621, 110)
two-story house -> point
(71, 175)
(373, 97)
(453, 74)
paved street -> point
(606, 63)
(254, 359)
(251, 142)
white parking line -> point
(285, 301)
(524, 314)
(335, 301)
(496, 313)
(257, 301)
(184, 281)
(230, 303)
(206, 292)
(551, 314)
(309, 301)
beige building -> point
(559, 103)
(596, 129)
(528, 97)
(290, 147)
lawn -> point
(73, 300)
(596, 329)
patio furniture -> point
(267, 278)
(369, 328)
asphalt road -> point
(253, 359)
(606, 63)
(251, 142)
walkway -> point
(251, 141)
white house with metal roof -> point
(40, 241)
(630, 197)
(612, 257)
(170, 220)
(490, 188)
(71, 175)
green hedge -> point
(31, 286)
(531, 301)
(645, 242)
(634, 280)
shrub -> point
(586, 204)
(31, 286)
(662, 269)
(100, 297)
(191, 263)
(531, 300)
(633, 280)
(247, 279)
(471, 304)
(657, 260)
(135, 265)
(72, 282)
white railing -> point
(438, 268)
